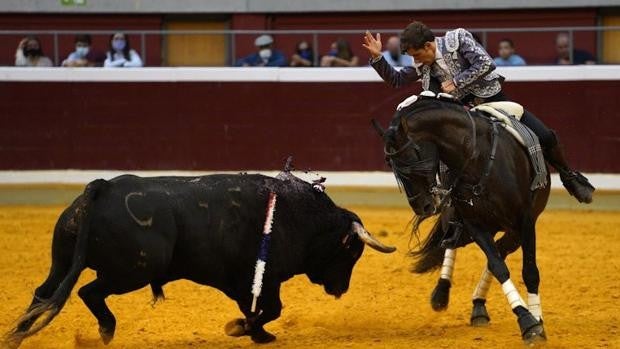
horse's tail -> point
(429, 256)
(27, 324)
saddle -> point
(508, 115)
(505, 113)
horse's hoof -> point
(235, 328)
(479, 315)
(479, 321)
(535, 335)
(532, 331)
(262, 337)
(106, 334)
(441, 295)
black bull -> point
(149, 231)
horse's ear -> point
(378, 127)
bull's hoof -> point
(479, 315)
(236, 328)
(441, 295)
(261, 336)
(107, 334)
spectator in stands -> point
(30, 54)
(579, 56)
(265, 55)
(303, 56)
(340, 55)
(507, 55)
(84, 55)
(121, 54)
(393, 54)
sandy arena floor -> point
(386, 307)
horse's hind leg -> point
(441, 294)
(506, 245)
(531, 278)
(527, 323)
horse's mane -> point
(425, 103)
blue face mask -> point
(306, 54)
(118, 44)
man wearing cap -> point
(265, 55)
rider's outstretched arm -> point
(393, 77)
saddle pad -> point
(499, 112)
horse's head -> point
(414, 165)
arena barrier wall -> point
(216, 119)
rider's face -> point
(424, 55)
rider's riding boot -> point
(576, 184)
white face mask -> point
(265, 53)
(81, 51)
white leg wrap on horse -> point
(512, 294)
(533, 304)
(483, 285)
(448, 264)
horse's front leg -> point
(441, 294)
(530, 327)
(506, 245)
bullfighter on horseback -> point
(458, 65)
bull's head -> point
(338, 259)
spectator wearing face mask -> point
(84, 55)
(30, 54)
(265, 55)
(340, 55)
(393, 54)
(303, 56)
(121, 54)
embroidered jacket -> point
(467, 61)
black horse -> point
(489, 190)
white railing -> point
(229, 74)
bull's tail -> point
(41, 313)
(429, 256)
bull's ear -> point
(378, 127)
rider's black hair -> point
(415, 35)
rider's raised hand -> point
(372, 44)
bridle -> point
(421, 167)
(427, 166)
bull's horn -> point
(370, 240)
